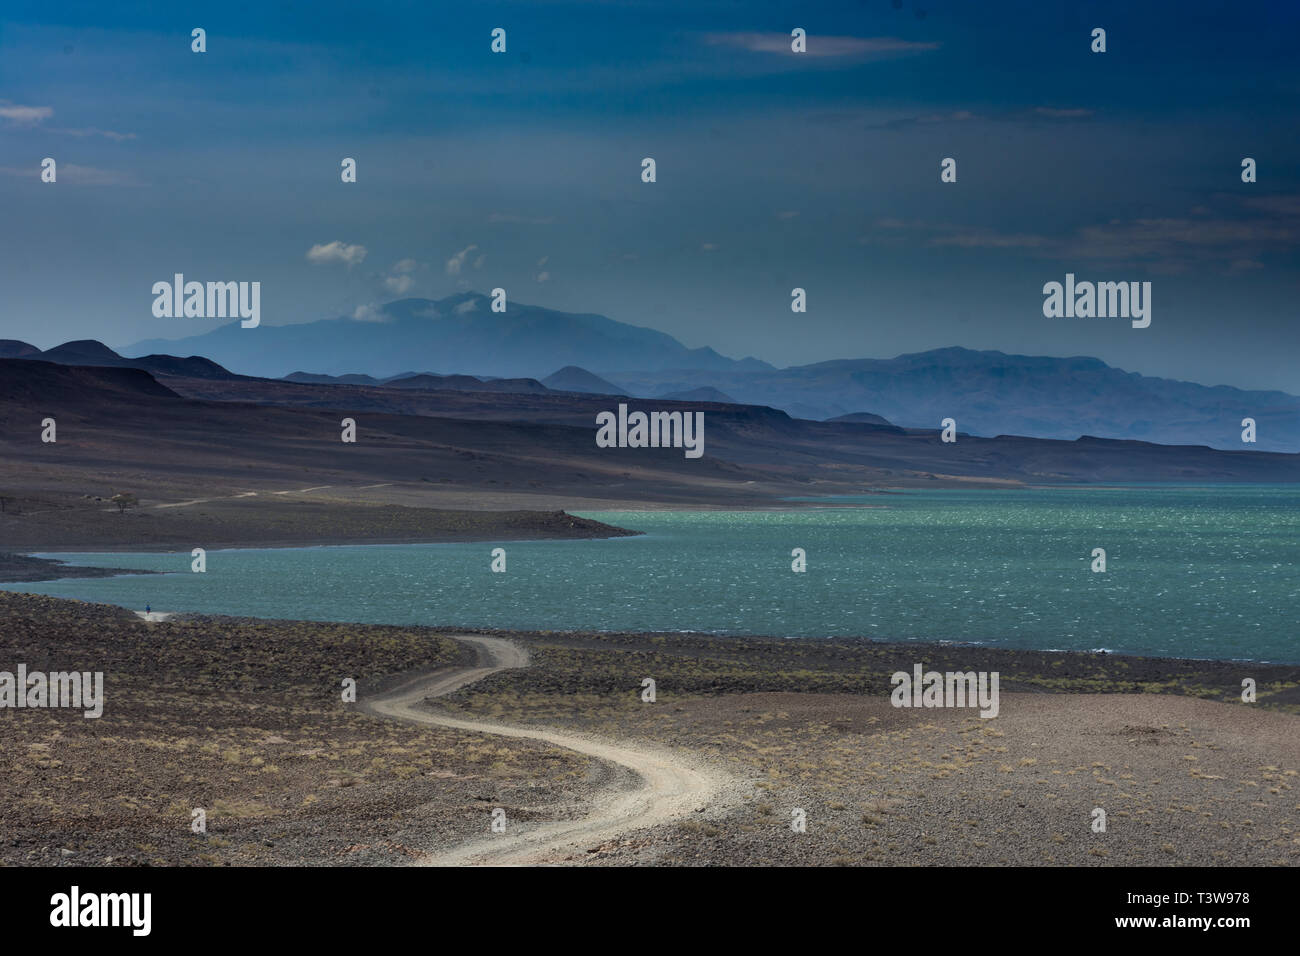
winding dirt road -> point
(668, 786)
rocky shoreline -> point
(425, 526)
(19, 568)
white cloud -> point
(469, 305)
(457, 262)
(543, 277)
(337, 251)
(72, 173)
(94, 176)
(818, 45)
(369, 313)
(25, 115)
(19, 115)
(95, 131)
(399, 279)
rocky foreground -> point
(245, 720)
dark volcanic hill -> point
(195, 366)
(82, 352)
(456, 335)
(40, 387)
(308, 377)
(121, 422)
(12, 348)
(429, 380)
(88, 352)
(574, 379)
(771, 445)
(861, 418)
(467, 383)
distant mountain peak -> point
(458, 334)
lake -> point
(1205, 572)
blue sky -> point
(775, 170)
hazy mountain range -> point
(992, 393)
(458, 335)
(986, 392)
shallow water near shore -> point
(1199, 572)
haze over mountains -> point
(986, 392)
(457, 335)
(992, 393)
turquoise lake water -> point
(1205, 572)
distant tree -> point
(124, 500)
